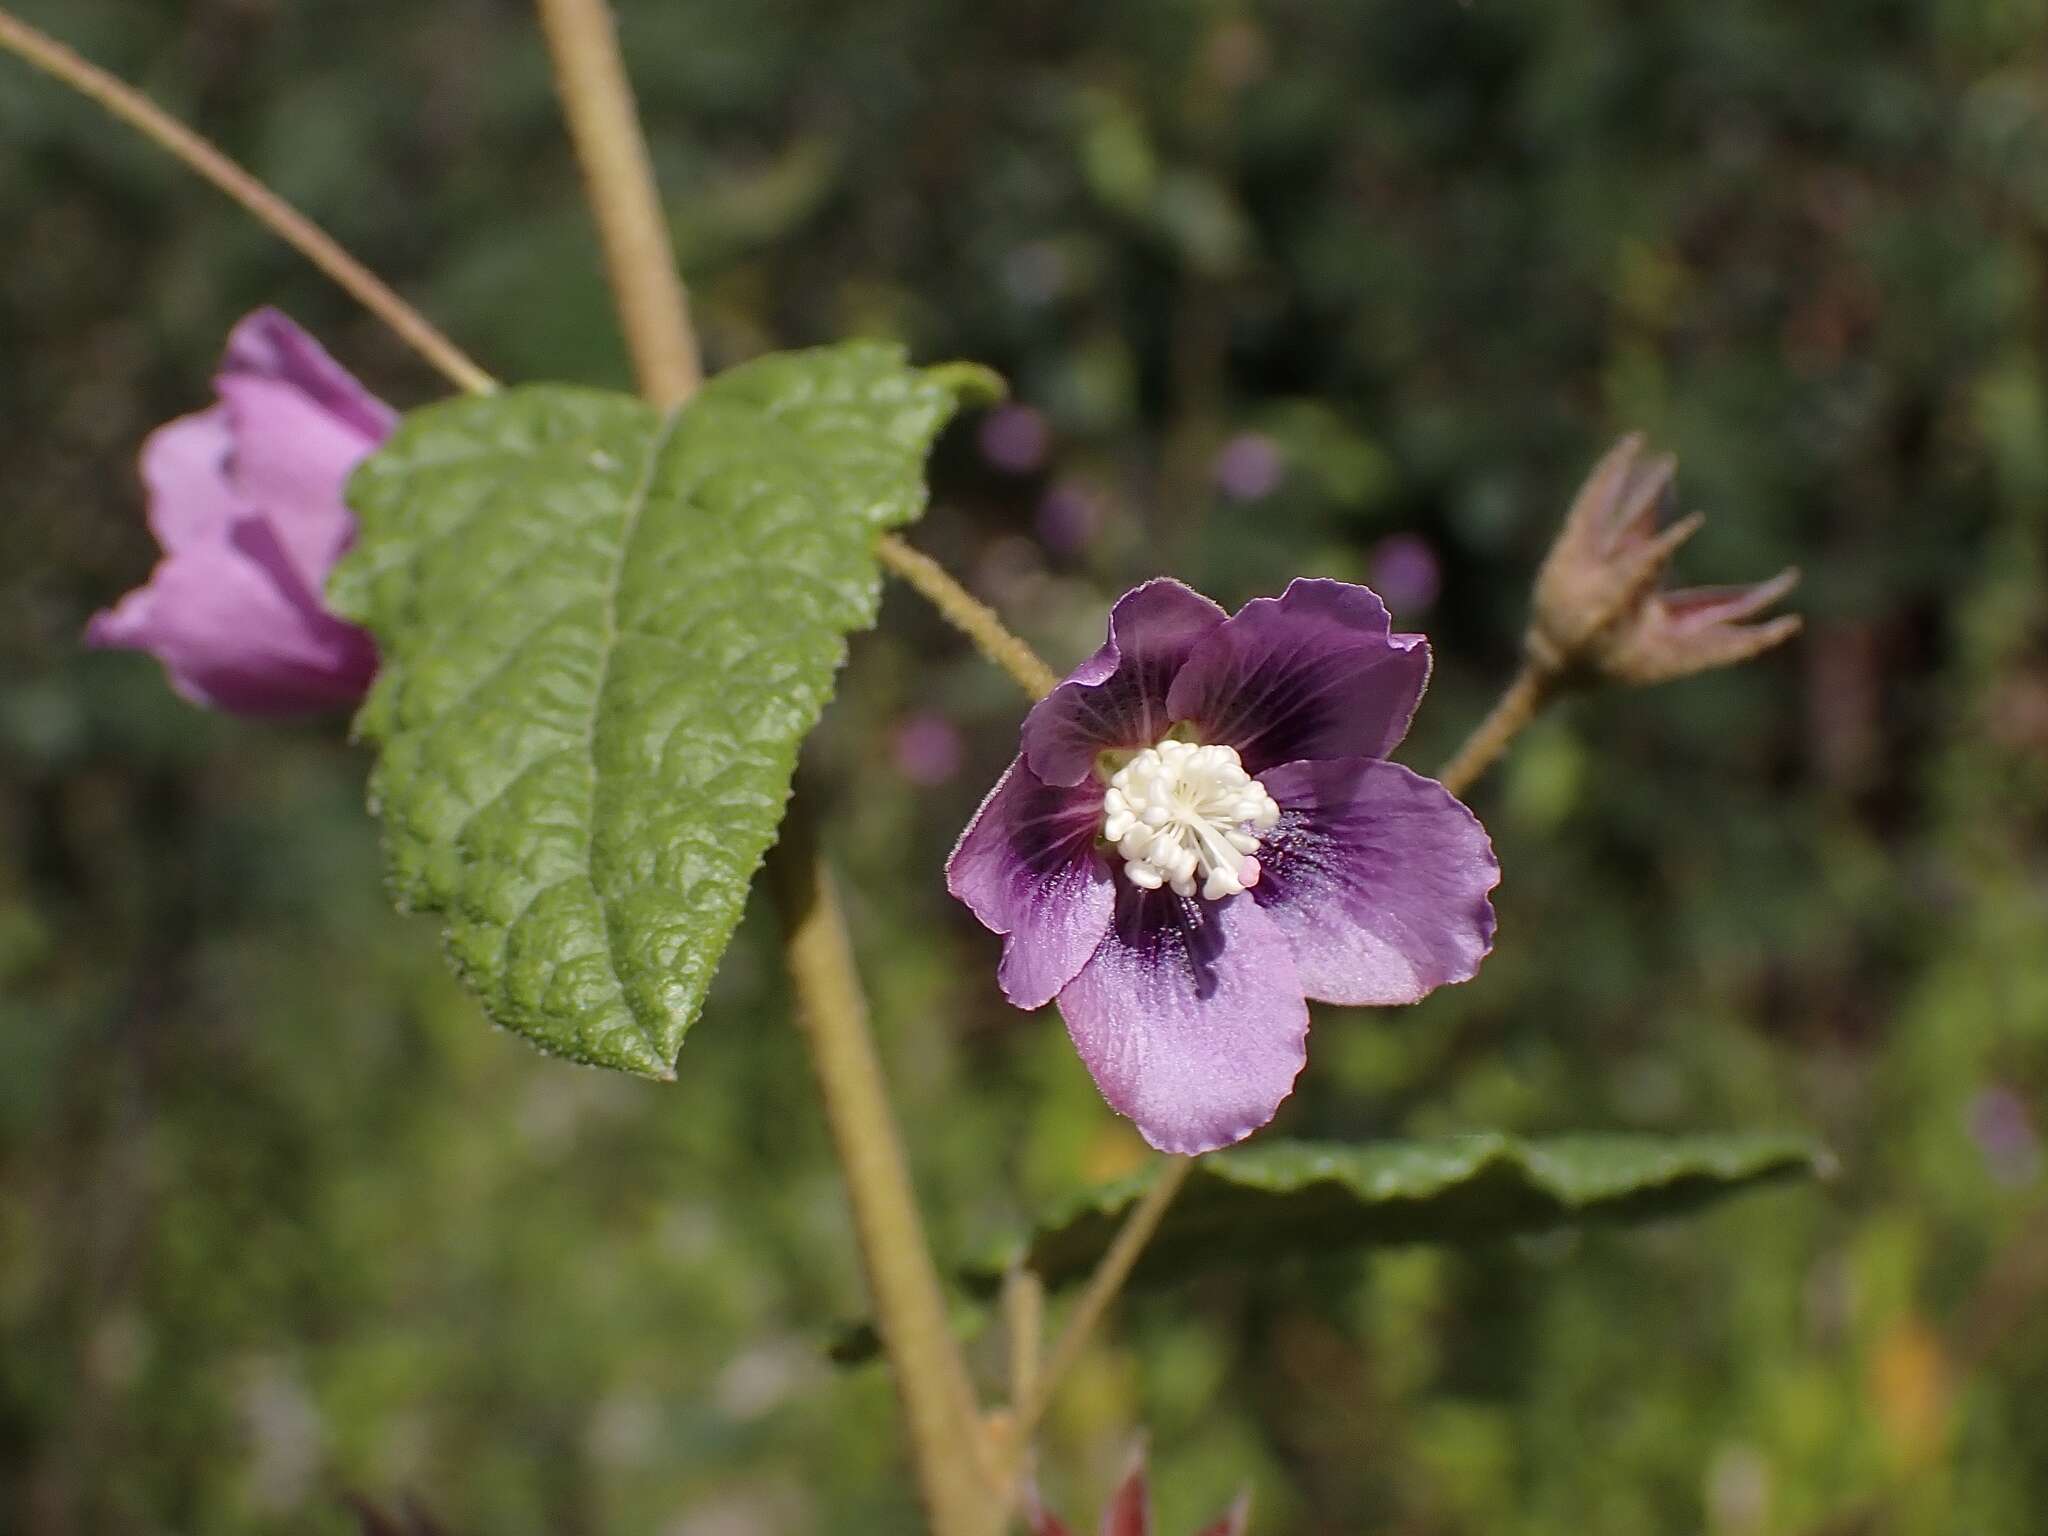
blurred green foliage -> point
(280, 1217)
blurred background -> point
(1355, 289)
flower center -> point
(1179, 812)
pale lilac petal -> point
(1028, 868)
(292, 460)
(1316, 672)
(269, 345)
(1377, 878)
(185, 463)
(233, 635)
(1190, 1017)
(1117, 697)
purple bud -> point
(928, 750)
(2004, 1133)
(1248, 467)
(1069, 518)
(1405, 572)
(1015, 438)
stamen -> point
(1180, 813)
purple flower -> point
(1202, 831)
(245, 501)
(928, 750)
(1015, 438)
(1249, 467)
(1129, 1512)
(1405, 570)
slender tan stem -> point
(1108, 1279)
(597, 100)
(968, 614)
(1024, 1322)
(1533, 687)
(909, 1305)
(293, 227)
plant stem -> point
(1534, 686)
(1110, 1274)
(597, 100)
(968, 614)
(294, 228)
(909, 1305)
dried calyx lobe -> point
(1600, 608)
(1182, 964)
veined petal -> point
(1316, 672)
(1028, 868)
(1117, 697)
(1378, 878)
(1190, 1017)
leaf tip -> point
(972, 384)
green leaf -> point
(604, 633)
(1277, 1197)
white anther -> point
(1180, 814)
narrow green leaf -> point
(604, 633)
(1275, 1198)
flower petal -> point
(269, 345)
(1027, 866)
(1234, 1519)
(235, 633)
(1117, 697)
(1313, 673)
(192, 499)
(1378, 878)
(292, 460)
(1190, 1017)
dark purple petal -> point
(1190, 1017)
(1315, 672)
(1028, 868)
(269, 345)
(1117, 697)
(1378, 878)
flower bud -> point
(245, 500)
(1600, 608)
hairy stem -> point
(597, 100)
(1533, 687)
(294, 228)
(910, 1307)
(968, 614)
